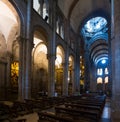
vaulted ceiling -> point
(79, 12)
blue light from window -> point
(95, 26)
(103, 61)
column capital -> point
(51, 56)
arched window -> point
(45, 10)
(99, 71)
(57, 25)
(99, 80)
(62, 31)
(106, 71)
(37, 6)
(42, 8)
(106, 79)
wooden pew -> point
(82, 102)
(50, 117)
(85, 107)
(76, 112)
(20, 109)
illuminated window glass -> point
(45, 12)
(95, 26)
(62, 31)
(37, 6)
(106, 79)
(57, 26)
(99, 71)
(99, 80)
(42, 8)
(106, 71)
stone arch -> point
(10, 30)
(3, 46)
(39, 63)
(71, 75)
(59, 69)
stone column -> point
(93, 81)
(86, 77)
(9, 58)
(66, 60)
(50, 11)
(73, 79)
(115, 49)
(21, 77)
(65, 77)
(52, 54)
(76, 85)
(51, 75)
(28, 58)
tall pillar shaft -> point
(51, 75)
(52, 54)
(21, 78)
(76, 85)
(115, 49)
(87, 82)
(65, 78)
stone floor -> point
(106, 116)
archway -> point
(59, 73)
(9, 50)
(71, 75)
(40, 66)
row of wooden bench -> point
(85, 109)
(10, 112)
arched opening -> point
(9, 50)
(82, 74)
(59, 73)
(70, 75)
(99, 84)
(39, 66)
(95, 36)
(42, 8)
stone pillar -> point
(21, 77)
(28, 57)
(93, 81)
(51, 75)
(115, 49)
(24, 80)
(76, 85)
(52, 54)
(72, 79)
(65, 77)
(9, 57)
(86, 77)
(66, 60)
(50, 11)
(8, 76)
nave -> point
(84, 108)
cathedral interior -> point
(59, 60)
